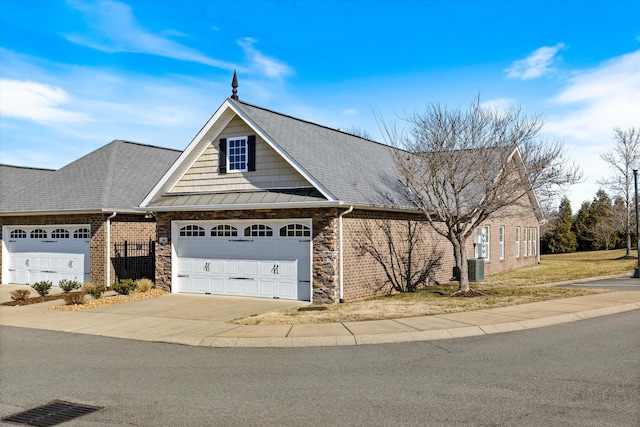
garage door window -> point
(295, 230)
(83, 233)
(18, 234)
(224, 231)
(38, 233)
(60, 233)
(192, 231)
(258, 230)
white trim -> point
(340, 242)
(244, 139)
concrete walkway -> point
(201, 320)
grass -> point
(524, 285)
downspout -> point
(109, 248)
(348, 211)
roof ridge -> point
(27, 167)
(148, 145)
(341, 132)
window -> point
(82, 233)
(525, 238)
(517, 242)
(237, 154)
(501, 240)
(258, 230)
(295, 230)
(192, 231)
(38, 233)
(224, 231)
(530, 241)
(60, 233)
(535, 241)
(482, 249)
(18, 234)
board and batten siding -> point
(272, 171)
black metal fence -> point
(134, 260)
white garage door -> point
(270, 259)
(54, 253)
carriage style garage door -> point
(270, 258)
(53, 253)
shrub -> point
(20, 295)
(124, 286)
(69, 285)
(95, 291)
(42, 288)
(74, 298)
(144, 285)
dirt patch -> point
(37, 300)
(109, 300)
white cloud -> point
(536, 65)
(37, 102)
(261, 63)
(350, 112)
(113, 28)
(499, 103)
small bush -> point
(95, 291)
(20, 295)
(74, 298)
(144, 285)
(42, 288)
(69, 285)
(124, 286)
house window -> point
(525, 239)
(482, 249)
(18, 234)
(295, 230)
(258, 230)
(38, 233)
(60, 233)
(237, 154)
(224, 231)
(82, 233)
(530, 241)
(517, 242)
(535, 241)
(192, 231)
(501, 239)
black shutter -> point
(222, 156)
(251, 153)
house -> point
(264, 204)
(64, 224)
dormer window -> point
(237, 154)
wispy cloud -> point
(113, 28)
(499, 103)
(536, 65)
(263, 64)
(37, 102)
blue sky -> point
(74, 75)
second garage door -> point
(270, 259)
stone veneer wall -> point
(324, 240)
(123, 227)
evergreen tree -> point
(561, 238)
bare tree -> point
(400, 250)
(463, 166)
(620, 160)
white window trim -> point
(477, 249)
(517, 242)
(501, 240)
(245, 139)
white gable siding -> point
(272, 171)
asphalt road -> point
(618, 283)
(584, 373)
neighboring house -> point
(63, 224)
(264, 204)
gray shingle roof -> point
(15, 178)
(355, 170)
(115, 177)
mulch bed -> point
(37, 300)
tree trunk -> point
(459, 246)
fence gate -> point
(135, 260)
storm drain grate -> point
(51, 414)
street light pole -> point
(636, 273)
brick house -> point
(63, 224)
(264, 204)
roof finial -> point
(234, 86)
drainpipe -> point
(348, 211)
(109, 248)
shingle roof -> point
(115, 177)
(15, 178)
(354, 169)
